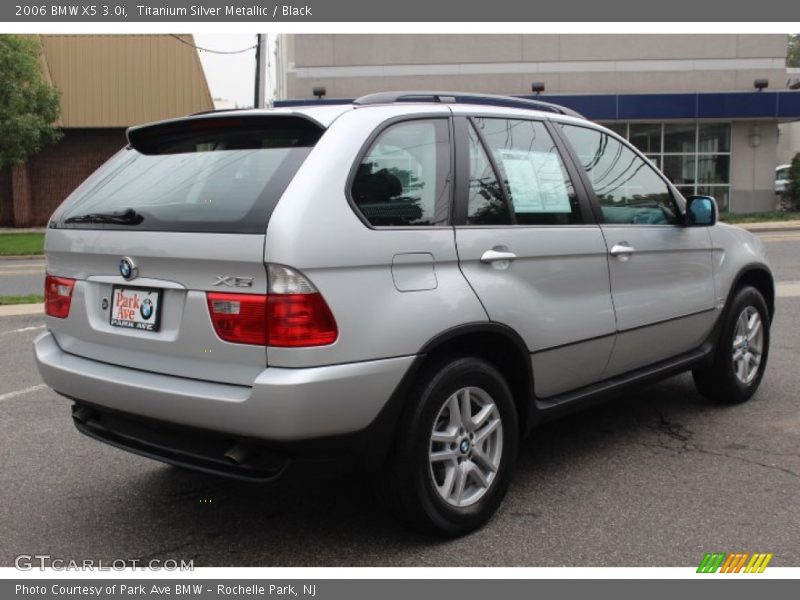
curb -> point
(768, 228)
(21, 256)
(16, 310)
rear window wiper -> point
(125, 217)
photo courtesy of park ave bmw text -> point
(292, 295)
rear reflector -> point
(58, 296)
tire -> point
(726, 380)
(428, 490)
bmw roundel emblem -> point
(146, 308)
(128, 269)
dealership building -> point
(706, 108)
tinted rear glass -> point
(217, 175)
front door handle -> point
(491, 256)
(622, 250)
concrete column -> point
(754, 147)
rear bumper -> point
(282, 405)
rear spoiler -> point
(163, 136)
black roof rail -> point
(464, 98)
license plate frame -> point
(139, 323)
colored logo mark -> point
(739, 562)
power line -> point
(182, 41)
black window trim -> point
(367, 146)
(461, 188)
(596, 205)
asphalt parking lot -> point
(657, 477)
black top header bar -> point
(441, 11)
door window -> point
(404, 178)
(535, 190)
(628, 188)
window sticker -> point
(536, 182)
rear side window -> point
(222, 175)
(628, 188)
(404, 178)
(536, 181)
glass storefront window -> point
(695, 157)
(713, 168)
(646, 137)
(680, 169)
(679, 137)
(714, 137)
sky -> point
(232, 76)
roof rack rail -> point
(464, 98)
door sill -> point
(596, 392)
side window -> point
(404, 178)
(537, 183)
(628, 188)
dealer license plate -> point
(135, 308)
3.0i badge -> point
(128, 268)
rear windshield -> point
(216, 175)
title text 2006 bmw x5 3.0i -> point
(412, 280)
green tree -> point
(793, 53)
(29, 106)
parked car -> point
(782, 179)
(412, 281)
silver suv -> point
(411, 280)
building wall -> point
(60, 168)
(6, 207)
(753, 168)
(353, 65)
(789, 142)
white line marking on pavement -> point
(35, 328)
(33, 388)
(788, 289)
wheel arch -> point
(760, 277)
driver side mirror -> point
(701, 211)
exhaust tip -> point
(83, 414)
(238, 454)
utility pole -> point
(262, 58)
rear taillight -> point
(293, 314)
(58, 296)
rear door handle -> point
(491, 256)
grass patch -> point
(21, 244)
(27, 299)
(759, 217)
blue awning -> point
(780, 105)
(783, 105)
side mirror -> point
(701, 211)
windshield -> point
(218, 180)
(782, 173)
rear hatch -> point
(180, 212)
